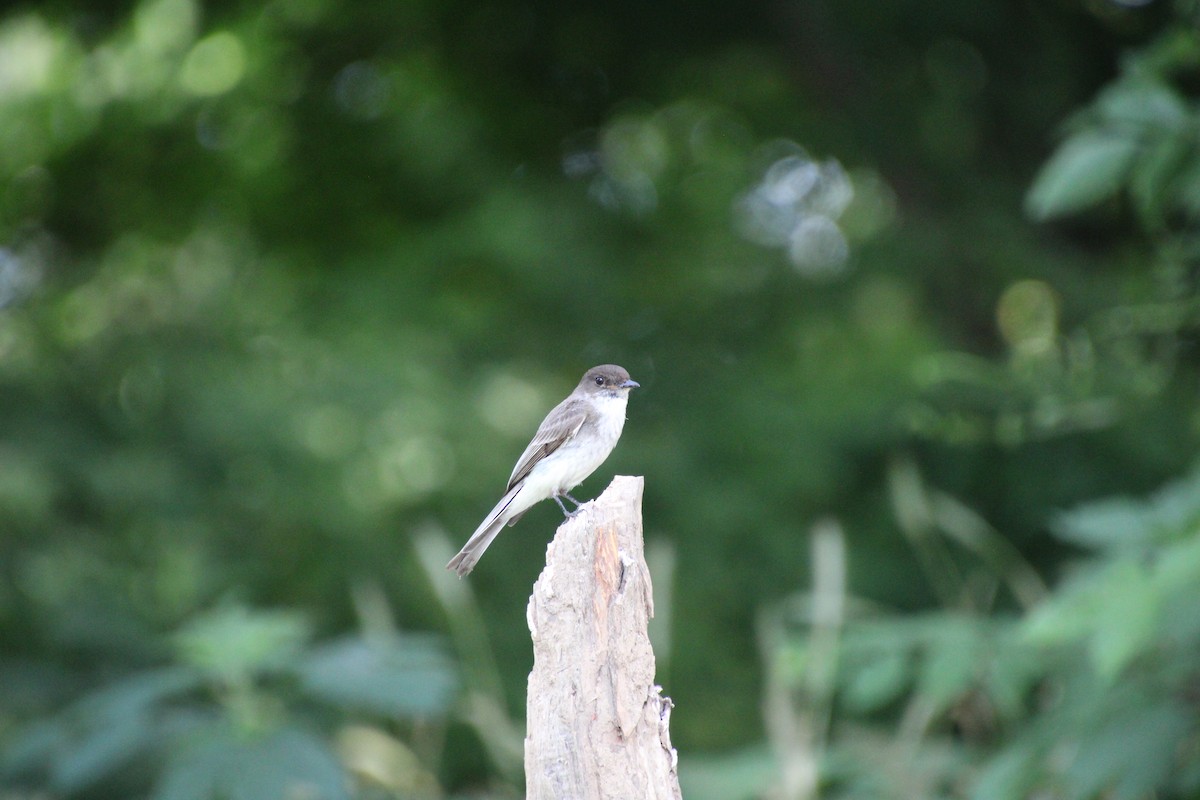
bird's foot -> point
(563, 508)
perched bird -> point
(572, 441)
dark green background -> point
(288, 285)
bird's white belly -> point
(568, 466)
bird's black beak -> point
(631, 385)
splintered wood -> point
(597, 725)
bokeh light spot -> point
(28, 51)
(214, 65)
(163, 26)
(635, 147)
(510, 405)
(817, 246)
(328, 431)
(1028, 315)
(415, 467)
(796, 206)
(18, 276)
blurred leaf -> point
(395, 676)
(877, 682)
(98, 736)
(1178, 567)
(1177, 47)
(288, 763)
(33, 686)
(1177, 581)
(380, 759)
(1008, 776)
(106, 748)
(32, 749)
(1013, 669)
(1122, 605)
(1126, 620)
(1085, 169)
(235, 642)
(1152, 182)
(951, 661)
(738, 776)
(1187, 188)
(195, 771)
(1065, 617)
(1104, 523)
(1120, 522)
(1130, 755)
(1143, 102)
(137, 693)
(278, 357)
(1114, 608)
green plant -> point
(249, 706)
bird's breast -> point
(578, 458)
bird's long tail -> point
(466, 559)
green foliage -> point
(1089, 692)
(284, 763)
(228, 719)
(408, 678)
(231, 644)
(1138, 137)
(1084, 696)
(1087, 168)
(1138, 598)
(285, 287)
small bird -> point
(572, 441)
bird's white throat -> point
(612, 405)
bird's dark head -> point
(608, 379)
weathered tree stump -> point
(597, 725)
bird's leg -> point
(567, 514)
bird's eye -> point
(599, 380)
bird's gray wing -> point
(559, 427)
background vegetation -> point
(910, 288)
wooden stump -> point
(597, 725)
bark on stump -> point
(597, 725)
